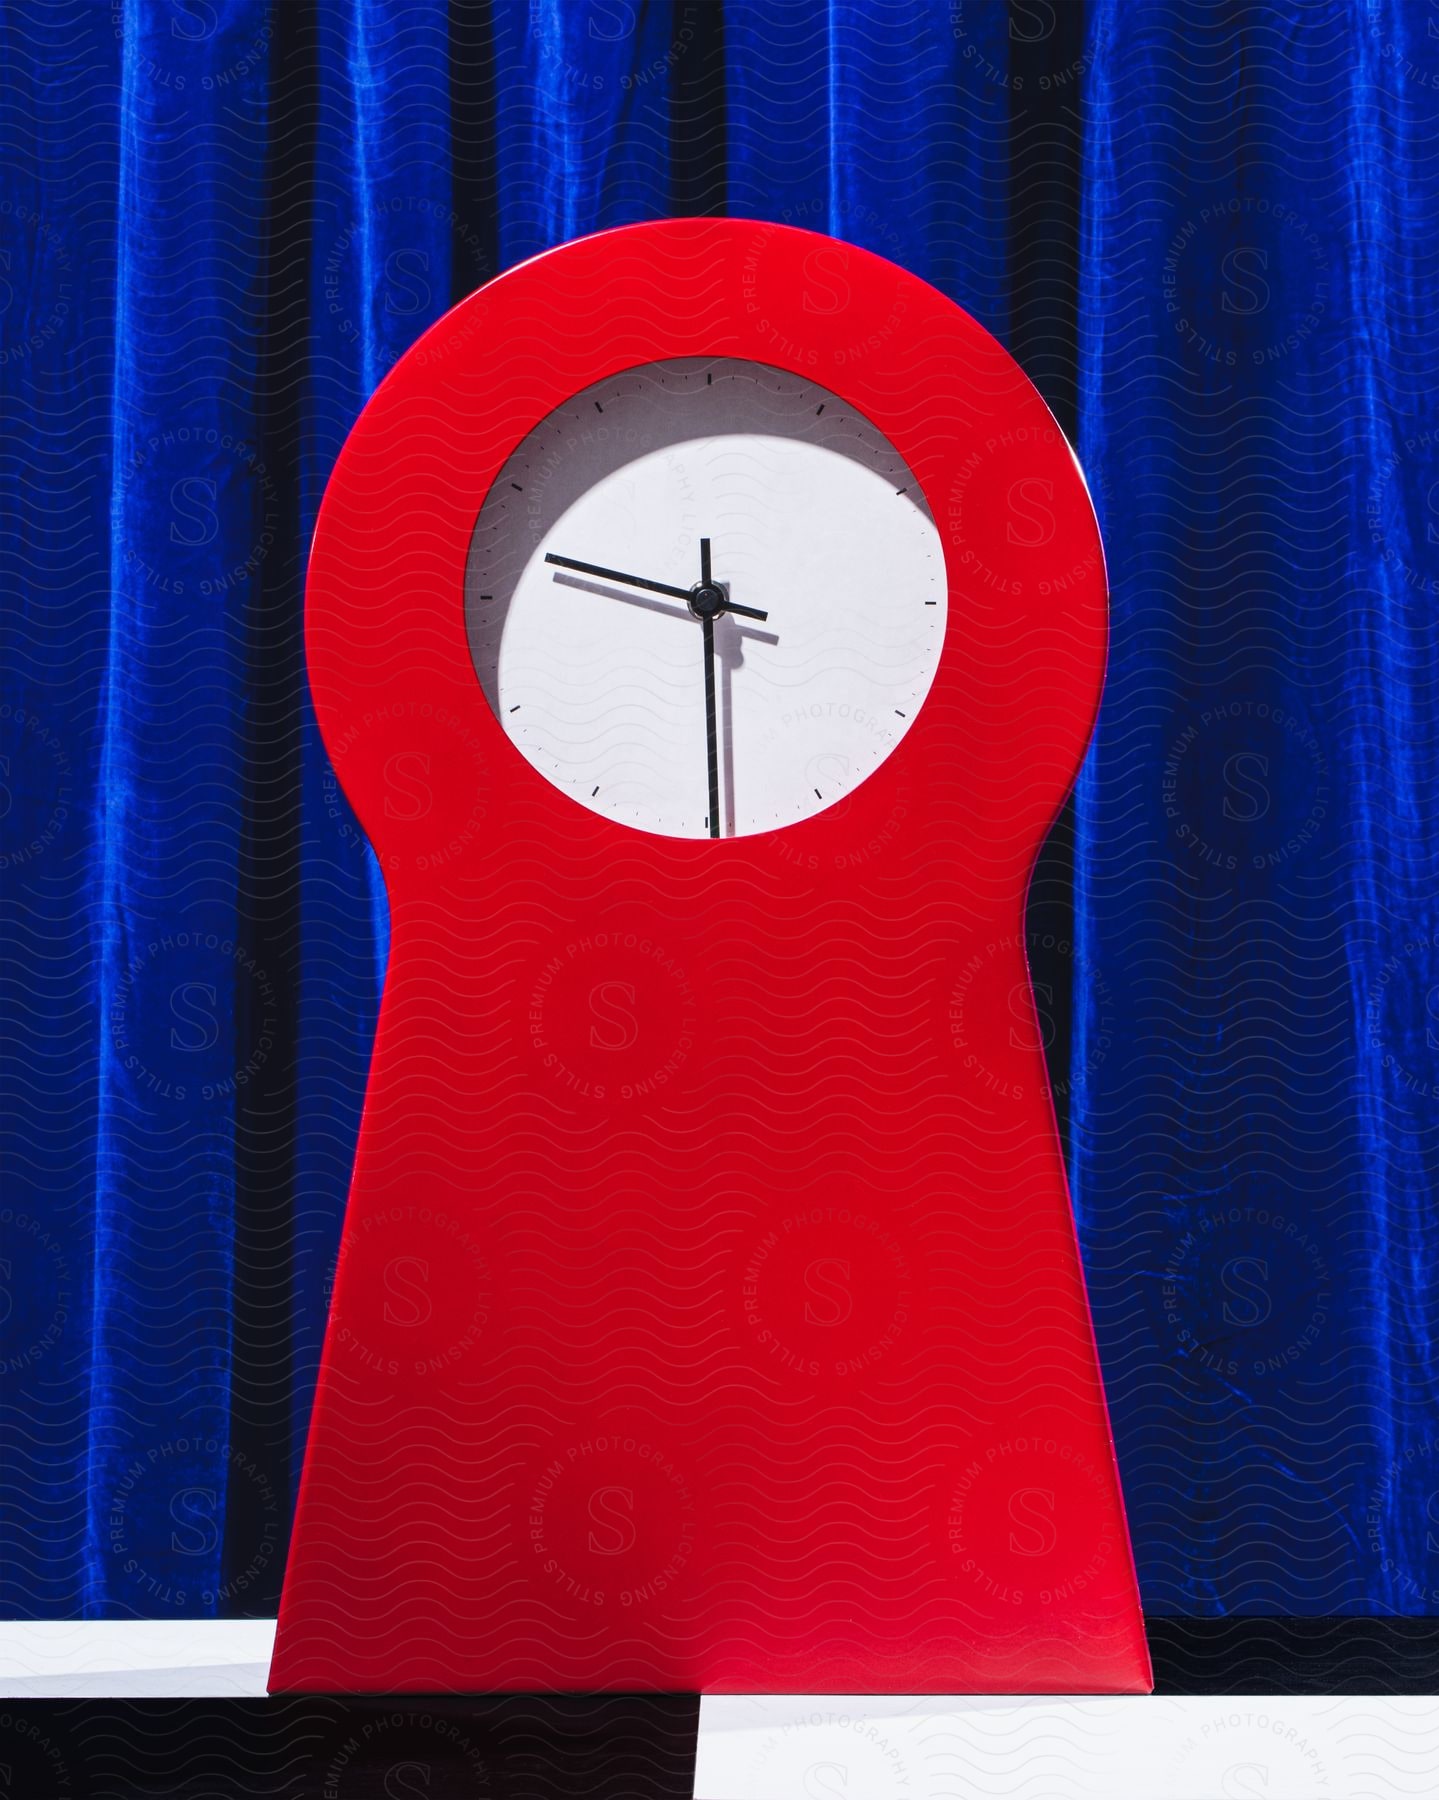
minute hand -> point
(653, 587)
(650, 587)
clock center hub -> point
(706, 600)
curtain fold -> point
(186, 1011)
(906, 152)
(581, 96)
(59, 121)
(370, 264)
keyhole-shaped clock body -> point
(708, 1313)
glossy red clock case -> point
(708, 1313)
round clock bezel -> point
(386, 636)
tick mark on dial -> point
(487, 596)
(593, 792)
(514, 709)
(709, 380)
(598, 407)
(931, 603)
(898, 714)
(818, 795)
(901, 490)
(516, 486)
(818, 410)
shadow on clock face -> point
(730, 637)
(597, 673)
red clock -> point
(706, 621)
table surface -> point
(772, 1747)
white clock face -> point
(758, 616)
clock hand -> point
(745, 612)
(715, 600)
(654, 587)
(711, 727)
(705, 594)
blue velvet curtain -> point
(1206, 231)
(1254, 1133)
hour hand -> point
(651, 587)
(704, 601)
